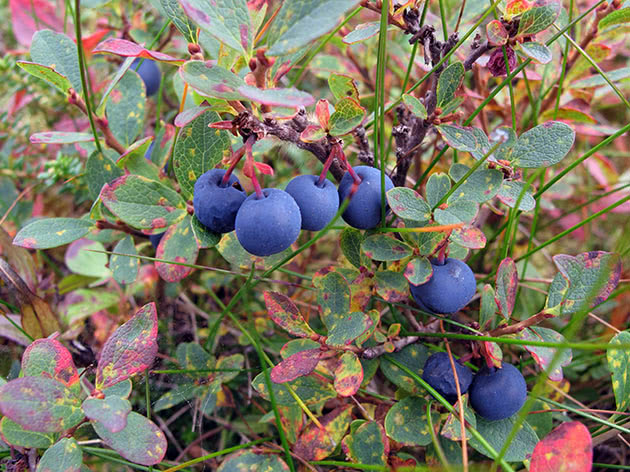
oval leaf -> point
(52, 232)
(568, 448)
(178, 245)
(111, 412)
(64, 456)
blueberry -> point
(155, 239)
(439, 374)
(496, 394)
(147, 154)
(318, 203)
(449, 289)
(150, 74)
(216, 204)
(364, 209)
(266, 226)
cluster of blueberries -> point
(269, 223)
(494, 393)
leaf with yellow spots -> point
(125, 269)
(452, 427)
(619, 365)
(130, 350)
(480, 186)
(414, 357)
(198, 149)
(64, 456)
(311, 389)
(333, 296)
(406, 422)
(135, 162)
(368, 444)
(45, 233)
(141, 441)
(111, 412)
(348, 374)
(544, 355)
(347, 327)
(17, 436)
(568, 448)
(50, 357)
(178, 245)
(101, 169)
(125, 109)
(40, 404)
(286, 314)
(315, 444)
(248, 461)
(296, 365)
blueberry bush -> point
(314, 235)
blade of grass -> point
(379, 93)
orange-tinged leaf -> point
(50, 357)
(297, 365)
(497, 34)
(322, 111)
(348, 374)
(315, 444)
(568, 448)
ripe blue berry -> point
(150, 74)
(266, 226)
(155, 239)
(496, 394)
(439, 374)
(216, 204)
(364, 209)
(449, 289)
(318, 203)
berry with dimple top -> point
(216, 203)
(449, 289)
(318, 202)
(496, 394)
(269, 225)
(364, 209)
(439, 374)
(150, 74)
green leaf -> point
(510, 191)
(310, 389)
(591, 274)
(65, 456)
(111, 412)
(597, 80)
(418, 271)
(197, 150)
(58, 51)
(17, 436)
(391, 286)
(228, 21)
(469, 237)
(178, 245)
(347, 327)
(47, 73)
(135, 162)
(121, 389)
(506, 287)
(465, 138)
(300, 22)
(569, 114)
(286, 314)
(125, 109)
(544, 145)
(101, 169)
(232, 366)
(362, 32)
(250, 461)
(350, 242)
(408, 204)
(406, 422)
(616, 17)
(496, 33)
(536, 51)
(380, 247)
(343, 86)
(448, 83)
(52, 232)
(205, 238)
(233, 252)
(212, 80)
(85, 302)
(348, 374)
(130, 350)
(61, 137)
(281, 97)
(415, 106)
(141, 441)
(40, 404)
(544, 355)
(458, 211)
(452, 428)
(438, 185)
(496, 432)
(191, 356)
(538, 18)
(347, 116)
(143, 203)
(488, 306)
(125, 269)
(480, 186)
(176, 14)
(413, 357)
(619, 365)
(368, 444)
(180, 393)
(81, 260)
(297, 345)
(315, 443)
(333, 297)
(48, 357)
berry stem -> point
(236, 158)
(441, 257)
(334, 152)
(249, 144)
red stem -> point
(236, 158)
(334, 152)
(250, 158)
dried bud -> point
(496, 64)
(193, 49)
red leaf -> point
(49, 356)
(297, 365)
(264, 168)
(323, 113)
(90, 42)
(506, 285)
(568, 448)
(122, 47)
(29, 16)
(130, 350)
